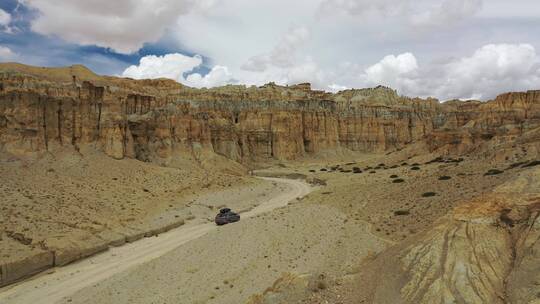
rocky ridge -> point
(484, 251)
(158, 120)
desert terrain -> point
(110, 186)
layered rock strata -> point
(157, 120)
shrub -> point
(316, 181)
(445, 177)
(402, 212)
(428, 194)
(493, 172)
(398, 181)
(372, 172)
(323, 169)
(312, 171)
(532, 164)
(486, 136)
(415, 168)
(393, 176)
(515, 165)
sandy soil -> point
(60, 283)
(350, 217)
(71, 205)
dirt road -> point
(59, 283)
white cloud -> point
(176, 66)
(123, 25)
(5, 18)
(6, 54)
(334, 88)
(391, 69)
(172, 66)
(490, 70)
(218, 76)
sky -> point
(466, 49)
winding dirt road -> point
(61, 282)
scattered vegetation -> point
(493, 172)
(515, 165)
(534, 163)
(316, 181)
(402, 212)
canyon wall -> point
(157, 120)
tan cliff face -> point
(157, 120)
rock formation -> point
(158, 120)
(485, 251)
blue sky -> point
(441, 48)
(50, 50)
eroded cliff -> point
(159, 120)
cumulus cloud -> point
(391, 69)
(218, 76)
(490, 70)
(5, 20)
(177, 66)
(6, 54)
(122, 25)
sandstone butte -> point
(154, 120)
(483, 251)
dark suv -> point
(226, 216)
